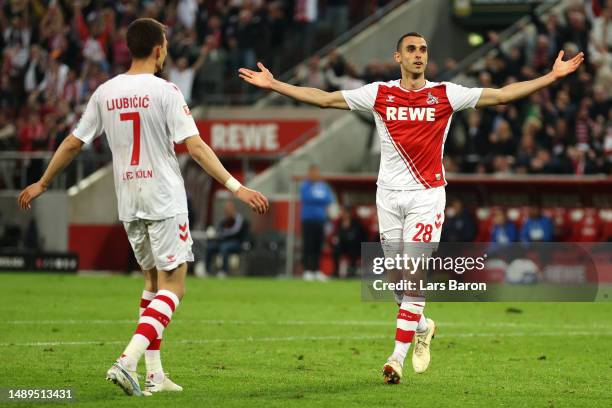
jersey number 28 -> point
(134, 117)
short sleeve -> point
(90, 124)
(363, 98)
(180, 122)
(462, 98)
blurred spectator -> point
(121, 53)
(8, 140)
(477, 143)
(311, 75)
(186, 12)
(459, 225)
(315, 197)
(228, 239)
(277, 35)
(343, 76)
(337, 16)
(347, 237)
(537, 227)
(503, 231)
(306, 14)
(182, 74)
(209, 79)
(501, 140)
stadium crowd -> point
(56, 52)
(563, 129)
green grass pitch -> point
(265, 342)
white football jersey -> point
(142, 116)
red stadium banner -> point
(255, 137)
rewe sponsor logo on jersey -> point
(239, 137)
(410, 113)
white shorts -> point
(163, 244)
(410, 216)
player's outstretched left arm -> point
(520, 90)
(66, 152)
(208, 160)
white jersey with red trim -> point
(142, 116)
(412, 126)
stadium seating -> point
(571, 225)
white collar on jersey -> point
(398, 83)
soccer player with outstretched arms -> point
(143, 116)
(412, 118)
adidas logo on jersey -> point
(410, 113)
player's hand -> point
(254, 199)
(262, 79)
(562, 68)
(30, 193)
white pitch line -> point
(311, 338)
(315, 323)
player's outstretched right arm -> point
(264, 79)
(208, 160)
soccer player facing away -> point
(143, 116)
(412, 117)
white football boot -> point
(125, 379)
(421, 355)
(392, 371)
(165, 385)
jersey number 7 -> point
(134, 117)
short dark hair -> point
(142, 35)
(411, 34)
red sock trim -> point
(155, 344)
(407, 315)
(144, 303)
(147, 330)
(157, 315)
(405, 336)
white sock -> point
(400, 351)
(152, 357)
(422, 326)
(153, 363)
(150, 327)
(408, 317)
(134, 351)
